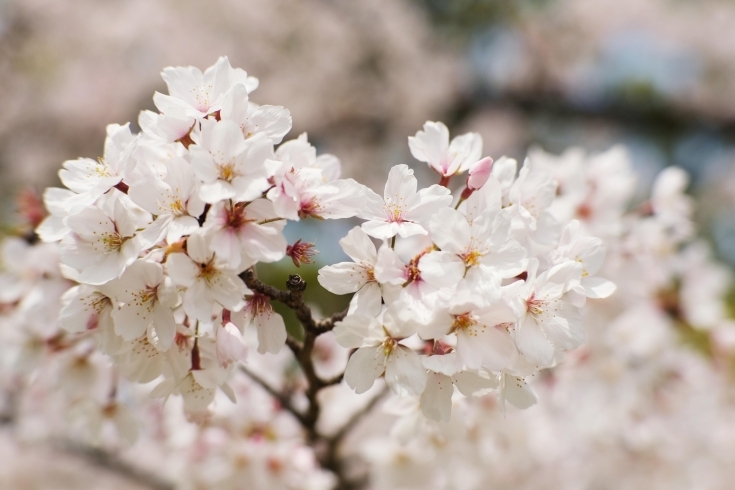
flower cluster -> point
(643, 396)
(159, 240)
(479, 291)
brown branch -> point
(357, 416)
(293, 298)
(112, 463)
(282, 398)
(326, 448)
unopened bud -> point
(477, 177)
(301, 253)
(479, 173)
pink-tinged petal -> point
(441, 269)
(131, 320)
(431, 145)
(197, 247)
(437, 326)
(89, 222)
(218, 190)
(388, 268)
(224, 141)
(155, 232)
(475, 383)
(401, 320)
(554, 283)
(264, 243)
(404, 373)
(372, 206)
(447, 364)
(576, 296)
(562, 325)
(401, 185)
(364, 367)
(507, 261)
(254, 152)
(172, 105)
(182, 270)
(427, 202)
(80, 308)
(228, 290)
(464, 150)
(343, 278)
(450, 231)
(407, 229)
(357, 331)
(164, 326)
(516, 392)
(226, 244)
(125, 220)
(532, 343)
(271, 332)
(230, 345)
(181, 226)
(348, 201)
(380, 229)
(198, 301)
(203, 164)
(436, 400)
(597, 287)
(366, 301)
(103, 269)
(358, 246)
(486, 347)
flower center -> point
(227, 171)
(202, 95)
(145, 296)
(236, 217)
(177, 207)
(535, 306)
(102, 169)
(98, 302)
(389, 345)
(113, 242)
(463, 322)
(394, 213)
(311, 207)
(471, 259)
(208, 271)
(260, 304)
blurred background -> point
(361, 76)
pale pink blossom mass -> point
(144, 284)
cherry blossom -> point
(357, 277)
(206, 278)
(379, 351)
(230, 166)
(431, 145)
(403, 210)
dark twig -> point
(326, 447)
(293, 298)
(331, 459)
(114, 464)
(282, 398)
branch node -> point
(295, 283)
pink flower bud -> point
(479, 173)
